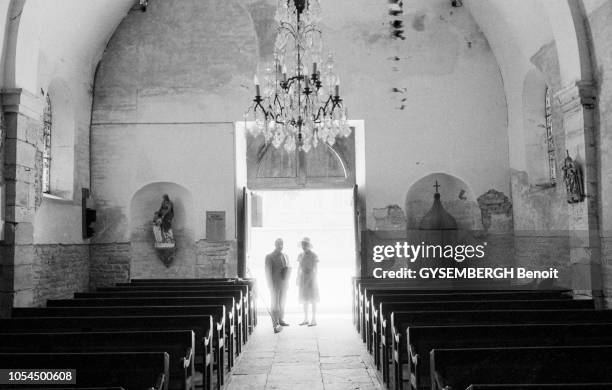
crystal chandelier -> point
(304, 108)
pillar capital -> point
(577, 95)
(21, 101)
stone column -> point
(23, 123)
(578, 105)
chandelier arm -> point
(279, 121)
(277, 100)
(289, 28)
(311, 28)
(258, 104)
(324, 107)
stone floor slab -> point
(248, 382)
(330, 356)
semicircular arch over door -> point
(322, 167)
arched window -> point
(550, 142)
(47, 126)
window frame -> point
(46, 152)
(550, 141)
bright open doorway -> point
(327, 217)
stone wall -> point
(216, 259)
(6, 282)
(540, 251)
(59, 271)
(606, 259)
(110, 264)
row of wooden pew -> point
(501, 338)
(146, 334)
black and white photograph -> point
(306, 194)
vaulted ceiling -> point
(75, 32)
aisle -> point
(329, 356)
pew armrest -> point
(413, 366)
(434, 378)
(414, 357)
(396, 343)
(160, 382)
(220, 328)
(188, 358)
(383, 331)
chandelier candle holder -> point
(302, 109)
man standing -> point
(277, 273)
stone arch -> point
(578, 100)
(23, 44)
(144, 259)
(456, 195)
(567, 23)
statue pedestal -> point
(164, 245)
(165, 251)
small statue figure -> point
(162, 231)
(157, 228)
(166, 212)
(572, 178)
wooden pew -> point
(562, 386)
(219, 288)
(428, 295)
(227, 301)
(238, 319)
(130, 370)
(420, 340)
(87, 388)
(360, 284)
(458, 368)
(202, 326)
(376, 297)
(381, 318)
(180, 346)
(239, 292)
(401, 320)
(216, 311)
(251, 282)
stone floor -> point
(329, 356)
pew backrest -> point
(420, 340)
(458, 368)
(130, 370)
(180, 346)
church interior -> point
(152, 151)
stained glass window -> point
(47, 125)
(550, 142)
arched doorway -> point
(293, 195)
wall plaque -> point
(215, 226)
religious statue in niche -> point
(572, 177)
(162, 231)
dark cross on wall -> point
(437, 186)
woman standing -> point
(307, 281)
